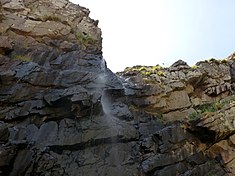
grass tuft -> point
(22, 58)
(84, 38)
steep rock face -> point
(201, 100)
(63, 112)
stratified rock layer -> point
(63, 112)
(201, 100)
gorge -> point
(63, 112)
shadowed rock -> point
(63, 112)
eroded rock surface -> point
(201, 100)
(63, 112)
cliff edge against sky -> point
(63, 112)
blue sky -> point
(151, 32)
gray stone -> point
(63, 112)
(4, 132)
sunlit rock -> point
(63, 112)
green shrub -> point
(224, 61)
(157, 67)
(160, 73)
(142, 68)
(132, 107)
(22, 58)
(195, 67)
(147, 73)
(134, 69)
(208, 108)
(226, 127)
(218, 105)
(212, 60)
(193, 116)
(84, 38)
(51, 18)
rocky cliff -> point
(63, 112)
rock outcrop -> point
(63, 112)
(201, 100)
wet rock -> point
(63, 112)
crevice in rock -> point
(203, 134)
(91, 143)
(207, 136)
(6, 170)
